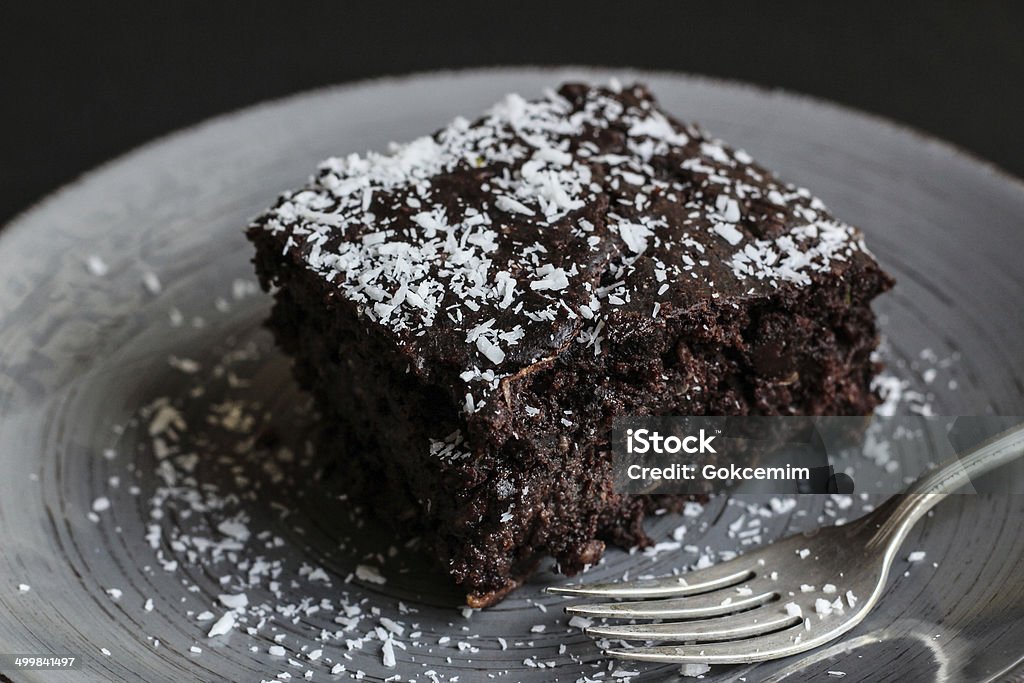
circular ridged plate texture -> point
(153, 451)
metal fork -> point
(788, 597)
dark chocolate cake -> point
(472, 309)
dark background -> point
(84, 82)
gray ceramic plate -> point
(102, 372)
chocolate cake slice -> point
(473, 308)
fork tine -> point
(702, 581)
(755, 649)
(732, 627)
(694, 607)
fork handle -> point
(902, 511)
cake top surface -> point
(493, 245)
